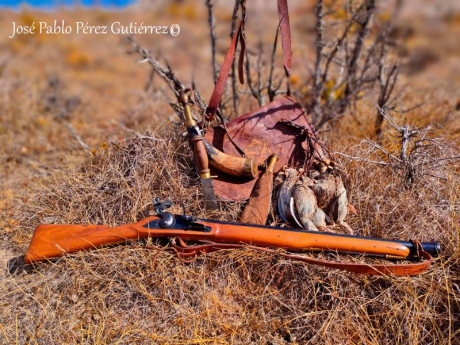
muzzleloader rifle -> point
(53, 241)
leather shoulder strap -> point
(283, 15)
(219, 88)
(189, 253)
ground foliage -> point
(129, 294)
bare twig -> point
(211, 23)
(418, 156)
(336, 47)
(256, 91)
(374, 146)
(345, 66)
(76, 136)
(165, 73)
(353, 62)
(259, 65)
(387, 78)
(149, 84)
(273, 90)
(363, 159)
(319, 54)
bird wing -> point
(293, 211)
(283, 203)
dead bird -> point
(285, 192)
(297, 203)
(324, 186)
(331, 196)
(303, 206)
(319, 219)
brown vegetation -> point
(137, 151)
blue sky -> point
(56, 3)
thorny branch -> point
(387, 84)
(272, 91)
(345, 65)
(259, 89)
(271, 88)
(352, 67)
(419, 157)
(211, 23)
(165, 73)
(319, 52)
(235, 97)
(256, 91)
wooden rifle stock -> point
(52, 241)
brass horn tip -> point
(272, 161)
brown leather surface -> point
(258, 207)
(283, 15)
(259, 134)
(189, 254)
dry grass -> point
(128, 294)
(133, 295)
